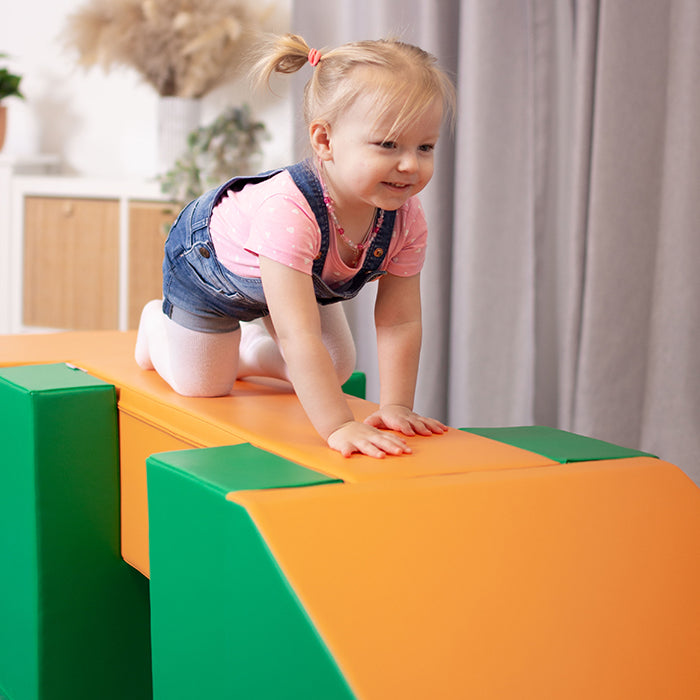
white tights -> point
(194, 363)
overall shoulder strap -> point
(304, 176)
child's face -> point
(364, 170)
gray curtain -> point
(561, 286)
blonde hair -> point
(389, 70)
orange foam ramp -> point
(576, 581)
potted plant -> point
(9, 87)
(227, 147)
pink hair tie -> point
(314, 57)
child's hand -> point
(358, 437)
(404, 420)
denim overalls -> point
(201, 294)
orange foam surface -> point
(576, 581)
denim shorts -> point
(198, 291)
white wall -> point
(104, 124)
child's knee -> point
(203, 387)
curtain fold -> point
(560, 286)
(574, 230)
(638, 376)
(492, 342)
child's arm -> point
(397, 317)
(294, 312)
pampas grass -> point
(183, 48)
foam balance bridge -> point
(501, 563)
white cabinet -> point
(84, 253)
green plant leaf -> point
(227, 147)
(9, 83)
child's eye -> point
(388, 144)
(426, 148)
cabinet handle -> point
(68, 209)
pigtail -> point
(400, 74)
(287, 54)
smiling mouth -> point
(397, 185)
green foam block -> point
(356, 385)
(558, 445)
(75, 620)
(225, 622)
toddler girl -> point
(286, 245)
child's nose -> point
(408, 162)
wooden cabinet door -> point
(149, 223)
(71, 263)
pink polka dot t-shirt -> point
(273, 219)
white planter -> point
(3, 125)
(177, 117)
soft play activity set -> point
(157, 546)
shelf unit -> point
(83, 253)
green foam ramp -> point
(558, 445)
(225, 622)
(74, 616)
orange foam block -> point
(573, 582)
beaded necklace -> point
(357, 248)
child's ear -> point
(320, 137)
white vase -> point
(177, 117)
(3, 125)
